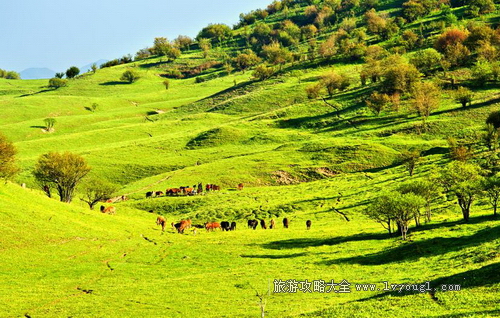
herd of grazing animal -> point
(194, 190)
(182, 225)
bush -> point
(8, 152)
(426, 61)
(72, 72)
(464, 96)
(263, 72)
(377, 102)
(130, 76)
(313, 91)
(57, 82)
(334, 81)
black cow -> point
(285, 223)
(308, 224)
(225, 225)
(149, 194)
(233, 226)
(253, 224)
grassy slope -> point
(50, 252)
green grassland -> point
(298, 158)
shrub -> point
(313, 91)
(263, 72)
(8, 168)
(464, 96)
(57, 82)
(72, 72)
(377, 102)
(166, 83)
(130, 76)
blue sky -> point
(60, 33)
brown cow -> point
(263, 224)
(308, 224)
(212, 226)
(240, 186)
(183, 224)
(161, 221)
(158, 193)
(273, 224)
(108, 210)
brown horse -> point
(273, 224)
(212, 226)
(161, 221)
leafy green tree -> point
(263, 72)
(205, 46)
(426, 189)
(49, 123)
(463, 180)
(130, 76)
(97, 190)
(398, 76)
(491, 188)
(93, 68)
(63, 171)
(162, 47)
(276, 55)
(333, 81)
(57, 82)
(426, 98)
(8, 168)
(166, 83)
(246, 59)
(219, 32)
(59, 75)
(426, 61)
(377, 102)
(490, 137)
(183, 42)
(464, 96)
(481, 72)
(72, 72)
(396, 208)
(494, 119)
(410, 159)
(313, 91)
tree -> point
(219, 32)
(328, 49)
(464, 96)
(426, 60)
(246, 59)
(463, 181)
(426, 189)
(334, 81)
(494, 119)
(276, 55)
(183, 42)
(481, 72)
(72, 72)
(426, 98)
(96, 190)
(263, 72)
(8, 168)
(398, 76)
(57, 82)
(377, 102)
(130, 76)
(49, 124)
(94, 68)
(396, 208)
(205, 46)
(59, 75)
(491, 189)
(313, 91)
(64, 171)
(166, 83)
(410, 159)
(162, 47)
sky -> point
(57, 34)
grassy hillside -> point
(324, 159)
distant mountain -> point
(87, 67)
(37, 73)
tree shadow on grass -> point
(114, 83)
(39, 92)
(411, 251)
(39, 127)
(269, 256)
(313, 242)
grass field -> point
(298, 158)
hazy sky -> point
(60, 33)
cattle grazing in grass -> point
(272, 224)
(308, 224)
(199, 226)
(215, 187)
(161, 221)
(212, 226)
(200, 187)
(149, 194)
(183, 224)
(233, 226)
(176, 226)
(158, 193)
(285, 223)
(263, 224)
(253, 224)
(225, 226)
(173, 191)
(240, 186)
(108, 210)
